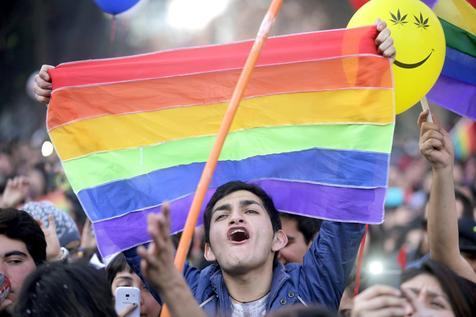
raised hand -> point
(384, 40)
(436, 147)
(15, 192)
(157, 262)
(158, 267)
(53, 247)
(380, 301)
(88, 240)
(42, 87)
(435, 143)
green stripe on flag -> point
(100, 168)
(459, 39)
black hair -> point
(19, 225)
(307, 226)
(231, 187)
(60, 290)
(460, 291)
(118, 264)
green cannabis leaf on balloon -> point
(420, 22)
(398, 18)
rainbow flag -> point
(314, 129)
(463, 136)
(456, 87)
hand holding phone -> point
(380, 300)
(126, 298)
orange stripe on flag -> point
(77, 103)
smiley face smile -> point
(414, 65)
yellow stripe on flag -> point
(116, 132)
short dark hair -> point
(19, 225)
(307, 226)
(58, 289)
(234, 186)
(118, 264)
(461, 292)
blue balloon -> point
(115, 6)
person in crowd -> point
(66, 229)
(15, 192)
(119, 274)
(22, 188)
(300, 232)
(22, 249)
(431, 290)
(60, 230)
(436, 147)
(243, 236)
(65, 290)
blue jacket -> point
(320, 279)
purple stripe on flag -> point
(455, 96)
(430, 3)
(315, 165)
(459, 66)
(327, 202)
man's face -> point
(149, 307)
(15, 262)
(296, 247)
(241, 234)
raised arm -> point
(436, 147)
(329, 261)
(158, 267)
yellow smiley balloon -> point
(419, 41)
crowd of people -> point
(248, 259)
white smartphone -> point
(126, 296)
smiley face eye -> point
(421, 22)
(398, 18)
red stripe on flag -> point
(278, 50)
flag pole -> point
(425, 106)
(360, 257)
(210, 166)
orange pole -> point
(360, 258)
(210, 166)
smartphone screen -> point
(126, 296)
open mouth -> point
(414, 65)
(238, 234)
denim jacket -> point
(321, 279)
